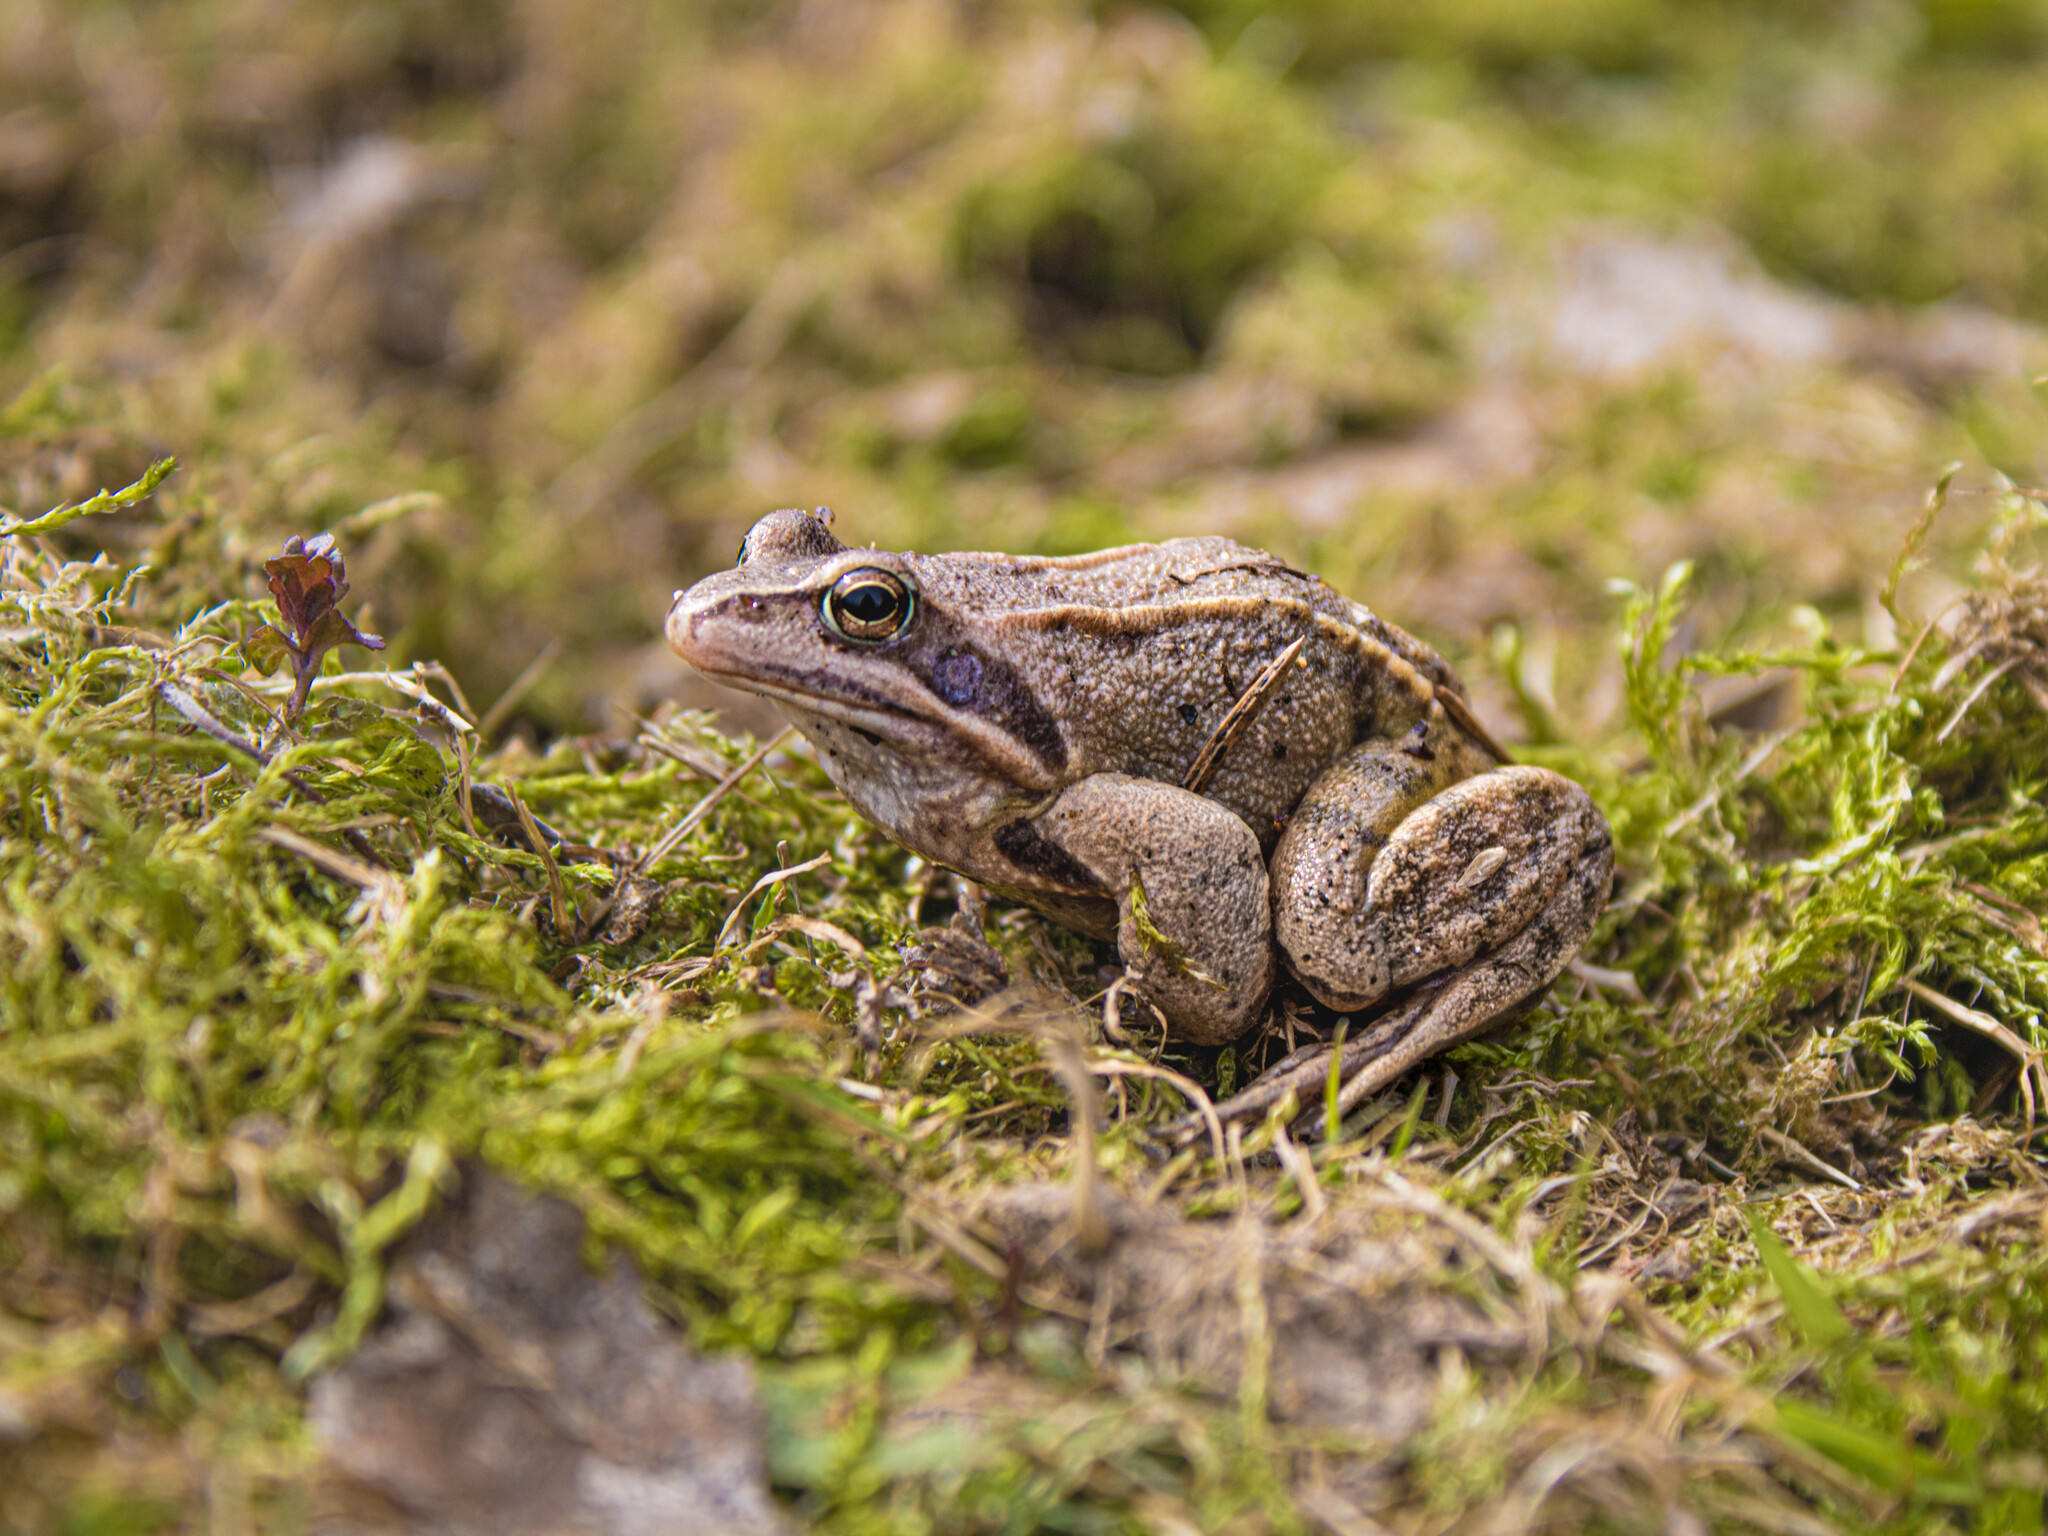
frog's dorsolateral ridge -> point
(1189, 747)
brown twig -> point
(558, 893)
(1232, 725)
(518, 689)
(2033, 1068)
(728, 931)
(709, 803)
(1798, 1152)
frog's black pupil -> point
(870, 603)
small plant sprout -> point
(308, 579)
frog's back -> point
(1140, 581)
(1149, 649)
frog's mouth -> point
(876, 717)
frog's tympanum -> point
(1189, 747)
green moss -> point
(250, 1014)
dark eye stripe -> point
(868, 605)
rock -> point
(1628, 302)
(1354, 1316)
(1625, 303)
(511, 1391)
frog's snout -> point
(707, 622)
(681, 625)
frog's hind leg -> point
(1476, 897)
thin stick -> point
(462, 749)
(435, 670)
(558, 894)
(1063, 1037)
(1976, 693)
(1712, 797)
(1919, 640)
(811, 928)
(197, 714)
(653, 1012)
(1303, 1173)
(256, 699)
(725, 786)
(2032, 1067)
(332, 860)
(1800, 1153)
(1606, 980)
(521, 685)
(730, 930)
(1205, 1107)
(454, 721)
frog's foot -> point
(1477, 900)
(954, 965)
(1304, 1073)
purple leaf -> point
(308, 580)
(332, 630)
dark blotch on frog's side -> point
(1026, 847)
(968, 678)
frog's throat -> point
(909, 729)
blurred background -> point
(1472, 306)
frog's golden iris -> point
(868, 604)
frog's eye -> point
(868, 605)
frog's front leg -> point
(1194, 921)
(1485, 890)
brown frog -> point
(1189, 747)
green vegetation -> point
(534, 308)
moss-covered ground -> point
(1622, 348)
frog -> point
(1190, 749)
